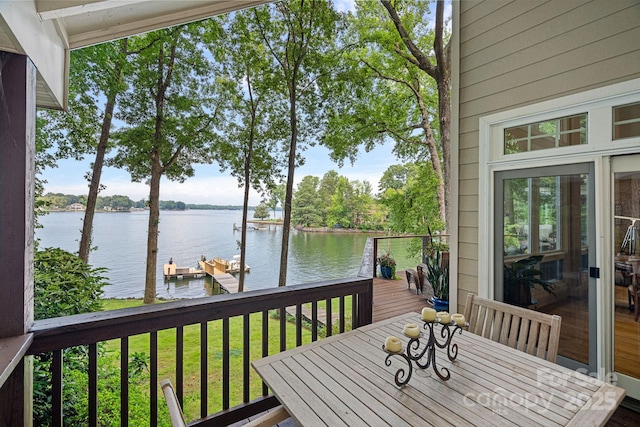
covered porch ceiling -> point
(46, 30)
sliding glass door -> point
(626, 262)
(544, 222)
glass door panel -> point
(543, 249)
(626, 262)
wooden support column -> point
(17, 168)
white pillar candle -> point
(393, 344)
(428, 314)
(445, 317)
(411, 330)
(458, 318)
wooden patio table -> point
(343, 381)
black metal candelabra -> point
(415, 354)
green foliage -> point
(438, 274)
(386, 260)
(520, 277)
(307, 204)
(408, 193)
(63, 286)
(337, 202)
(261, 211)
(138, 363)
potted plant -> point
(437, 273)
(387, 266)
(519, 277)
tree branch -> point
(422, 60)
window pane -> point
(516, 216)
(626, 121)
(561, 132)
(546, 239)
(544, 128)
(543, 143)
(573, 138)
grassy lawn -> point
(139, 347)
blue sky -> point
(209, 185)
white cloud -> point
(345, 5)
(210, 186)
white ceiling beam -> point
(153, 22)
(56, 9)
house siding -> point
(516, 53)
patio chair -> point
(412, 276)
(421, 280)
(269, 419)
(520, 328)
(175, 411)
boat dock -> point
(172, 271)
(228, 282)
(218, 269)
(219, 266)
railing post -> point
(365, 306)
(424, 249)
(375, 256)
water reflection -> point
(121, 240)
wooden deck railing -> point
(56, 335)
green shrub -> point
(63, 286)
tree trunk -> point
(435, 158)
(286, 222)
(441, 73)
(245, 205)
(444, 111)
(152, 237)
(94, 187)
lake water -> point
(121, 240)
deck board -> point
(392, 298)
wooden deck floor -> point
(392, 298)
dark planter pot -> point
(518, 293)
(440, 304)
(386, 272)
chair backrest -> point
(425, 286)
(175, 411)
(520, 328)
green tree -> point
(95, 79)
(168, 115)
(436, 63)
(63, 286)
(384, 92)
(101, 69)
(262, 211)
(299, 36)
(395, 177)
(253, 122)
(340, 207)
(363, 205)
(121, 203)
(276, 197)
(328, 186)
(307, 204)
(412, 208)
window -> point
(626, 121)
(531, 215)
(562, 132)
